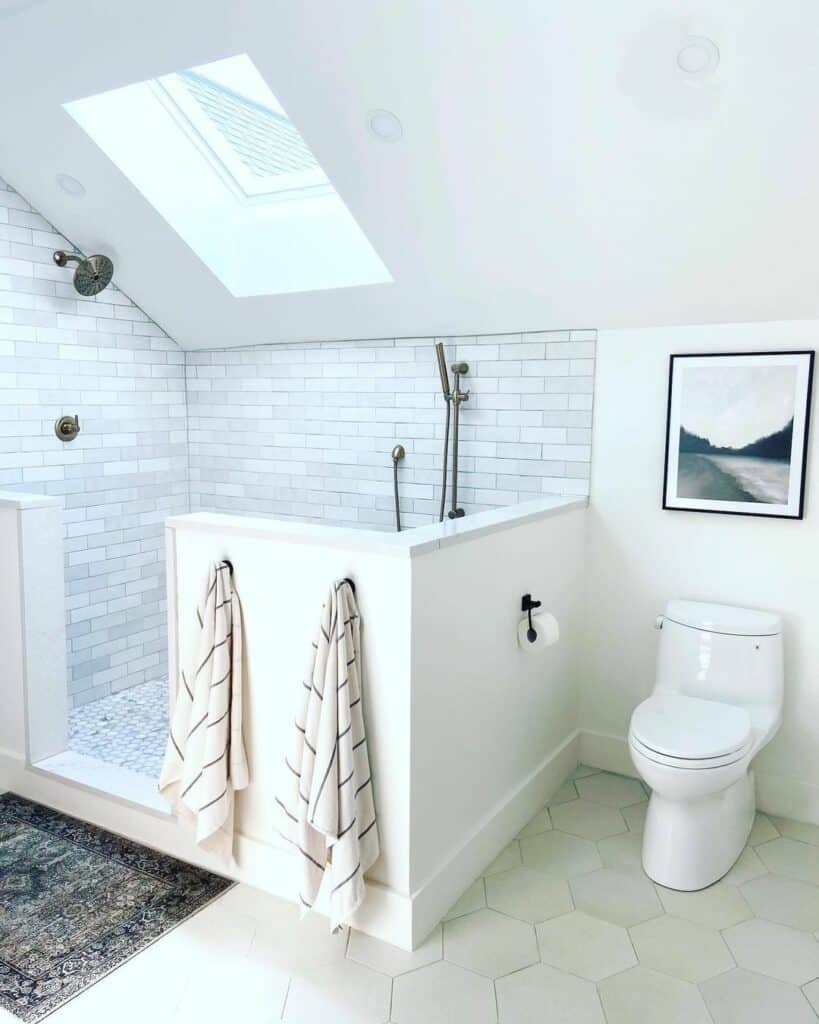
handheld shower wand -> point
(439, 353)
(398, 453)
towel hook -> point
(352, 585)
(229, 564)
(526, 605)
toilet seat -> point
(690, 732)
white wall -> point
(307, 430)
(639, 555)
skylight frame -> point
(214, 147)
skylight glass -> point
(215, 153)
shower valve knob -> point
(67, 427)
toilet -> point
(717, 700)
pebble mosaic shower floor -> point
(128, 729)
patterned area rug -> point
(76, 902)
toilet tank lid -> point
(724, 618)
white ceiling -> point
(556, 169)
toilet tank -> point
(719, 652)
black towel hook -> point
(526, 605)
(229, 564)
(352, 585)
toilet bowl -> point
(717, 700)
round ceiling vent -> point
(697, 56)
(384, 125)
(71, 186)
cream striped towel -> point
(326, 805)
(205, 759)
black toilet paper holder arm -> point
(526, 605)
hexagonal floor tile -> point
(388, 959)
(473, 899)
(614, 790)
(558, 854)
(635, 817)
(292, 944)
(490, 943)
(799, 830)
(540, 823)
(566, 792)
(588, 820)
(582, 771)
(686, 950)
(585, 945)
(506, 859)
(540, 993)
(617, 896)
(742, 997)
(775, 950)
(811, 993)
(642, 996)
(440, 994)
(791, 858)
(623, 852)
(718, 907)
(763, 831)
(748, 866)
(784, 900)
(345, 993)
(528, 895)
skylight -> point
(215, 153)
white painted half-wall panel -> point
(639, 555)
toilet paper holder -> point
(526, 605)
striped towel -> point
(205, 759)
(326, 806)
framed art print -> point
(737, 433)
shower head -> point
(441, 357)
(93, 273)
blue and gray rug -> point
(77, 901)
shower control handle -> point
(67, 427)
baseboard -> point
(775, 794)
(433, 898)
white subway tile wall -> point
(307, 430)
(104, 360)
(303, 430)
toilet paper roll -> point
(548, 632)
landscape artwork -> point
(737, 433)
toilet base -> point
(690, 844)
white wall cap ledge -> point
(11, 499)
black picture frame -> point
(794, 508)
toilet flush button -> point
(658, 622)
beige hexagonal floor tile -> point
(561, 855)
(614, 790)
(490, 943)
(718, 906)
(742, 997)
(440, 994)
(585, 945)
(623, 852)
(528, 895)
(541, 993)
(566, 792)
(799, 830)
(762, 831)
(587, 819)
(775, 950)
(748, 866)
(473, 899)
(643, 996)
(635, 817)
(540, 823)
(680, 948)
(791, 858)
(784, 900)
(508, 858)
(389, 959)
(345, 993)
(617, 896)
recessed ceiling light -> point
(71, 186)
(697, 56)
(384, 125)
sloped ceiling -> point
(556, 168)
